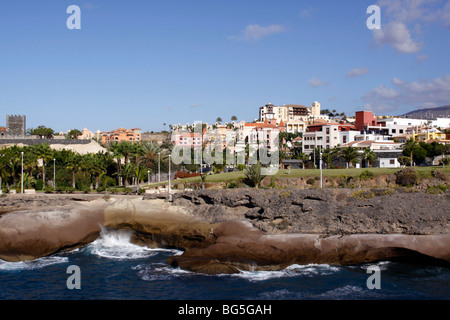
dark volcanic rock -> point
(327, 211)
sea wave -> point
(32, 265)
(116, 244)
(159, 272)
(295, 270)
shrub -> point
(183, 175)
(254, 176)
(366, 174)
(436, 190)
(407, 177)
(48, 189)
(362, 194)
(232, 185)
(439, 174)
(120, 189)
(342, 180)
(310, 181)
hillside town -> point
(302, 138)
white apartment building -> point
(290, 112)
(327, 136)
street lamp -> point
(159, 166)
(21, 188)
(170, 159)
(54, 174)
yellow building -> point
(432, 135)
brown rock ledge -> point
(231, 230)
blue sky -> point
(144, 63)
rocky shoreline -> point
(239, 229)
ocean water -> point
(113, 268)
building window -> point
(392, 161)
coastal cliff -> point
(241, 229)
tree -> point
(42, 132)
(349, 154)
(28, 180)
(73, 134)
(73, 163)
(219, 120)
(369, 156)
(45, 153)
(3, 166)
(409, 146)
(234, 118)
(404, 161)
(328, 157)
(127, 172)
(303, 157)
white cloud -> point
(420, 94)
(357, 72)
(403, 20)
(195, 105)
(256, 32)
(398, 36)
(316, 82)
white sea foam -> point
(116, 244)
(31, 265)
(159, 272)
(295, 270)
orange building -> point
(121, 134)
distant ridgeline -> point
(429, 113)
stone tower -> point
(315, 109)
(15, 126)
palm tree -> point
(254, 176)
(73, 163)
(28, 180)
(97, 167)
(116, 151)
(328, 158)
(349, 154)
(3, 166)
(14, 161)
(219, 120)
(127, 172)
(369, 156)
(126, 149)
(44, 153)
(303, 157)
(234, 118)
(140, 174)
(410, 145)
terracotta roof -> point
(260, 125)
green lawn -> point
(298, 173)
